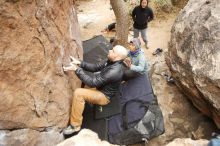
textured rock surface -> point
(188, 142)
(36, 39)
(85, 137)
(194, 55)
(182, 119)
(27, 137)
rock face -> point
(181, 118)
(27, 137)
(36, 39)
(194, 55)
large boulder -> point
(36, 39)
(194, 55)
(181, 118)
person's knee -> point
(78, 95)
(78, 91)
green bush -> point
(161, 2)
(164, 5)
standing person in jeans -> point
(104, 84)
(141, 15)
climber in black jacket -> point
(141, 15)
(105, 84)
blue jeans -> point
(143, 34)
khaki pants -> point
(80, 96)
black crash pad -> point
(95, 116)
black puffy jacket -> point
(141, 17)
(106, 78)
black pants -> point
(129, 74)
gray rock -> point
(28, 137)
(85, 137)
(194, 55)
(188, 142)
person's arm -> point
(87, 66)
(127, 62)
(151, 15)
(92, 67)
(134, 14)
(141, 64)
(97, 80)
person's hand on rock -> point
(71, 67)
(74, 61)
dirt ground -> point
(95, 15)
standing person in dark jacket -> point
(105, 84)
(141, 15)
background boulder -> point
(194, 55)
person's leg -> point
(80, 96)
(136, 33)
(144, 36)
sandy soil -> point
(95, 15)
